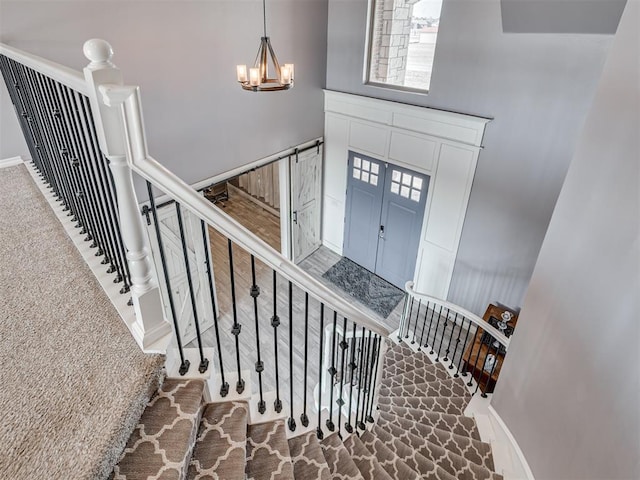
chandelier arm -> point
(274, 58)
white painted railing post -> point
(151, 330)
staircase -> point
(420, 433)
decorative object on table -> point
(257, 78)
(374, 292)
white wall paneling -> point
(443, 145)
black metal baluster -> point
(360, 378)
(184, 363)
(319, 432)
(464, 346)
(352, 368)
(404, 315)
(255, 293)
(433, 311)
(415, 325)
(444, 331)
(292, 421)
(453, 327)
(204, 362)
(343, 346)
(475, 365)
(435, 334)
(332, 373)
(103, 179)
(377, 343)
(406, 335)
(424, 324)
(275, 323)
(224, 388)
(304, 418)
(235, 330)
(365, 379)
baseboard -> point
(514, 445)
(12, 162)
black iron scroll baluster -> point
(435, 333)
(444, 331)
(360, 377)
(304, 418)
(275, 323)
(255, 293)
(406, 335)
(352, 369)
(433, 311)
(332, 374)
(224, 387)
(377, 343)
(454, 324)
(424, 324)
(184, 363)
(415, 325)
(292, 421)
(404, 315)
(204, 362)
(473, 370)
(319, 432)
(364, 380)
(464, 346)
(343, 346)
(235, 330)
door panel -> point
(306, 191)
(197, 249)
(403, 205)
(365, 188)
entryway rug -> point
(371, 290)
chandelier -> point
(258, 79)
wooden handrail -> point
(472, 317)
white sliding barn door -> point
(306, 198)
(198, 250)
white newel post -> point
(151, 330)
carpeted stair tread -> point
(456, 465)
(458, 424)
(397, 353)
(473, 450)
(221, 443)
(366, 462)
(430, 373)
(415, 460)
(413, 361)
(392, 464)
(162, 442)
(452, 387)
(452, 405)
(268, 456)
(308, 460)
(341, 465)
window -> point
(402, 42)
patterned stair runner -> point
(420, 433)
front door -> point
(384, 213)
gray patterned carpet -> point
(421, 433)
(366, 287)
(66, 407)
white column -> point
(151, 330)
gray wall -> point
(570, 390)
(183, 54)
(536, 87)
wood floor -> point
(290, 333)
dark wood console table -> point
(486, 380)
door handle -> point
(295, 217)
(381, 232)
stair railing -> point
(465, 343)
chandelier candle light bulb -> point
(259, 80)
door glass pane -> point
(404, 192)
(415, 195)
(395, 187)
(417, 183)
(396, 176)
(374, 168)
(406, 179)
(365, 176)
(374, 180)
(356, 162)
(365, 165)
(356, 173)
